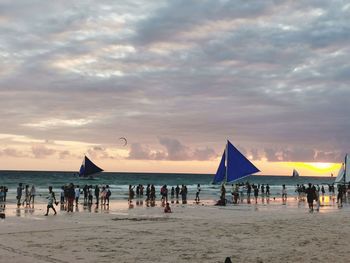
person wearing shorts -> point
(51, 199)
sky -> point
(177, 79)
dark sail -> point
(220, 174)
(238, 165)
(88, 168)
(233, 166)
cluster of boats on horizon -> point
(233, 166)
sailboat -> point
(88, 169)
(344, 172)
(295, 174)
(233, 166)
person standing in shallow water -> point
(284, 194)
(197, 193)
(77, 194)
(51, 199)
(97, 194)
(310, 196)
(256, 193)
(19, 194)
(32, 194)
(177, 191)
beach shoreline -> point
(192, 233)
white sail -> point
(340, 176)
(347, 170)
(344, 171)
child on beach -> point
(167, 208)
(51, 199)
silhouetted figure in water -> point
(97, 194)
(19, 194)
(177, 191)
(340, 195)
(310, 196)
(228, 260)
(197, 193)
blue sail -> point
(220, 174)
(238, 165)
(88, 168)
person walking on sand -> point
(51, 199)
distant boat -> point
(295, 174)
(344, 172)
(233, 166)
(88, 169)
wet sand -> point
(192, 233)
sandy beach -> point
(192, 233)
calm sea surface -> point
(119, 182)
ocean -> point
(119, 182)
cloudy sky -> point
(176, 78)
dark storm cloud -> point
(266, 74)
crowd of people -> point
(311, 193)
(28, 193)
(70, 195)
(175, 193)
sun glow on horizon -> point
(318, 168)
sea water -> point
(119, 182)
